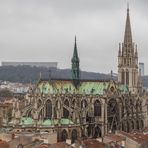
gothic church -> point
(76, 108)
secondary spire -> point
(75, 66)
(75, 53)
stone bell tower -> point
(128, 59)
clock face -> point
(20, 146)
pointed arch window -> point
(132, 125)
(97, 108)
(64, 135)
(137, 125)
(134, 78)
(97, 132)
(113, 114)
(39, 103)
(48, 109)
(124, 61)
(66, 102)
(74, 135)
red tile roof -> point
(42, 146)
(136, 136)
(114, 138)
(92, 143)
(60, 145)
(3, 144)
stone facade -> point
(80, 112)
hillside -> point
(27, 74)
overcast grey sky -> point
(44, 30)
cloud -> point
(44, 30)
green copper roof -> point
(26, 121)
(47, 122)
(65, 121)
(63, 86)
(123, 89)
(29, 121)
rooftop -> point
(136, 136)
(93, 143)
(66, 86)
(114, 138)
(43, 146)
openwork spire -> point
(128, 32)
(75, 66)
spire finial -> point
(127, 7)
(75, 39)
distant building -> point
(16, 88)
(32, 64)
(141, 69)
(5, 110)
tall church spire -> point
(128, 59)
(75, 66)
